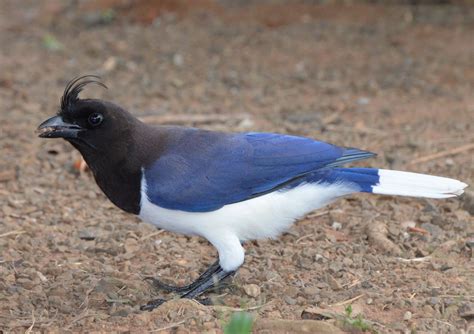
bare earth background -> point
(394, 80)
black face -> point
(89, 124)
(106, 135)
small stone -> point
(289, 300)
(318, 258)
(335, 267)
(369, 301)
(466, 311)
(311, 290)
(110, 64)
(347, 262)
(427, 310)
(363, 101)
(336, 226)
(41, 276)
(407, 316)
(252, 290)
(333, 283)
(434, 301)
(87, 235)
(468, 201)
(178, 60)
(435, 231)
(450, 310)
(121, 313)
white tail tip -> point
(392, 182)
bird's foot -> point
(186, 288)
(152, 304)
(204, 283)
(159, 285)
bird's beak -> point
(56, 127)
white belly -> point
(265, 216)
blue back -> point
(202, 171)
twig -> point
(151, 235)
(442, 154)
(354, 283)
(176, 324)
(417, 230)
(417, 259)
(444, 322)
(317, 214)
(238, 309)
(83, 315)
(377, 233)
(348, 301)
(6, 234)
(304, 237)
(33, 320)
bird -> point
(228, 188)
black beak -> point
(56, 127)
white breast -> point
(265, 216)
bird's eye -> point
(95, 119)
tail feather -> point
(392, 182)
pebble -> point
(427, 310)
(110, 64)
(311, 290)
(369, 301)
(289, 300)
(434, 300)
(468, 201)
(363, 101)
(435, 231)
(333, 283)
(252, 290)
(87, 235)
(466, 311)
(407, 316)
(336, 226)
(178, 60)
(335, 267)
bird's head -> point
(91, 125)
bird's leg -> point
(208, 283)
(183, 289)
(204, 283)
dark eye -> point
(95, 119)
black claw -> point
(152, 304)
(209, 280)
(157, 284)
(205, 301)
(213, 268)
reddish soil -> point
(394, 80)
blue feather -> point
(203, 171)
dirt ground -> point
(394, 80)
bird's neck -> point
(118, 170)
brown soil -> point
(394, 80)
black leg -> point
(208, 283)
(183, 289)
(204, 283)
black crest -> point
(75, 86)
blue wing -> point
(202, 171)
